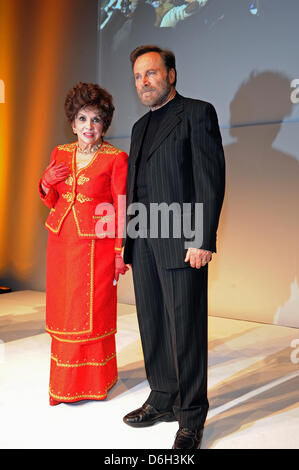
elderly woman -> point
(83, 257)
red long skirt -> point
(80, 315)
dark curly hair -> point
(89, 95)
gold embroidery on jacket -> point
(69, 180)
(82, 179)
(104, 218)
(68, 147)
(78, 227)
(67, 196)
(88, 164)
(81, 198)
(110, 149)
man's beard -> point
(159, 99)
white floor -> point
(253, 387)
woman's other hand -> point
(120, 267)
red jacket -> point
(101, 181)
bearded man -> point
(176, 157)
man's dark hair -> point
(167, 56)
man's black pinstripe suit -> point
(185, 164)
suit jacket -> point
(101, 181)
(185, 165)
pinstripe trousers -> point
(172, 315)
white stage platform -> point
(253, 387)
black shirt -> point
(153, 125)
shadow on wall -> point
(258, 260)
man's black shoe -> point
(147, 415)
(188, 439)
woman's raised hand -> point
(54, 173)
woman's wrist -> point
(45, 188)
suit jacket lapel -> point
(138, 137)
(171, 119)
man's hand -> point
(197, 257)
